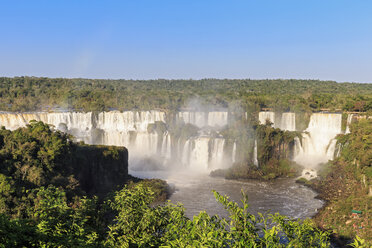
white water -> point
(263, 116)
(202, 119)
(318, 144)
(199, 155)
(287, 120)
(217, 119)
(255, 160)
(202, 153)
(234, 153)
(166, 149)
(129, 129)
(217, 154)
(348, 122)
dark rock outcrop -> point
(100, 169)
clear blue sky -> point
(149, 39)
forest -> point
(32, 93)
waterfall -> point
(198, 119)
(217, 154)
(331, 149)
(348, 122)
(186, 153)
(128, 120)
(217, 119)
(255, 160)
(298, 147)
(114, 138)
(202, 119)
(69, 120)
(317, 140)
(264, 115)
(166, 146)
(288, 121)
(129, 129)
(147, 142)
(234, 153)
(199, 158)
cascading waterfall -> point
(234, 153)
(69, 120)
(348, 122)
(318, 144)
(187, 148)
(255, 160)
(198, 119)
(288, 121)
(129, 129)
(217, 119)
(203, 119)
(128, 120)
(199, 157)
(217, 153)
(263, 116)
(331, 149)
(166, 149)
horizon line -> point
(187, 79)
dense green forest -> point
(31, 93)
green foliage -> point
(61, 225)
(139, 225)
(273, 143)
(359, 243)
(31, 93)
(158, 187)
(136, 223)
(17, 233)
(55, 223)
(357, 144)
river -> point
(194, 192)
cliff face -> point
(100, 169)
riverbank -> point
(348, 203)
